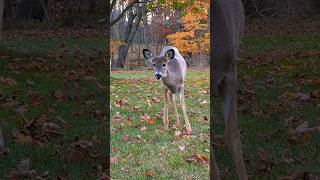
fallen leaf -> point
(71, 75)
(197, 158)
(22, 138)
(151, 121)
(144, 117)
(177, 133)
(262, 154)
(117, 117)
(182, 148)
(114, 149)
(125, 138)
(82, 149)
(36, 99)
(150, 173)
(23, 170)
(302, 97)
(113, 160)
(8, 81)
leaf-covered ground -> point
(140, 147)
(279, 108)
(53, 104)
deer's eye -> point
(163, 65)
(154, 65)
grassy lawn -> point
(278, 107)
(52, 106)
(140, 148)
(279, 88)
(52, 111)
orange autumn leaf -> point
(151, 121)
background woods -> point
(55, 13)
(184, 24)
(138, 24)
(155, 24)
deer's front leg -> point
(165, 109)
(232, 132)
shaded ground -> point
(279, 108)
(52, 98)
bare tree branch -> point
(257, 10)
(114, 21)
(113, 4)
(123, 12)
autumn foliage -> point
(194, 35)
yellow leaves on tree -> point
(194, 36)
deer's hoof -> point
(189, 132)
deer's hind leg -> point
(175, 111)
(165, 109)
(184, 110)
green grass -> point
(156, 151)
(80, 123)
(286, 59)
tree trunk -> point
(133, 24)
(45, 10)
(145, 28)
(1, 16)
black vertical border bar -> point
(212, 95)
(107, 58)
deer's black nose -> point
(158, 76)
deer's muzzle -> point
(158, 76)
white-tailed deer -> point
(170, 67)
(226, 29)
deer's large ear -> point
(148, 55)
(170, 54)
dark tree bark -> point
(45, 10)
(1, 16)
(145, 28)
(131, 30)
(129, 7)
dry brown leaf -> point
(36, 99)
(22, 138)
(150, 173)
(117, 117)
(7, 81)
(262, 154)
(82, 149)
(125, 138)
(197, 158)
(182, 148)
(71, 75)
(23, 170)
(151, 121)
(144, 117)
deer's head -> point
(159, 62)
